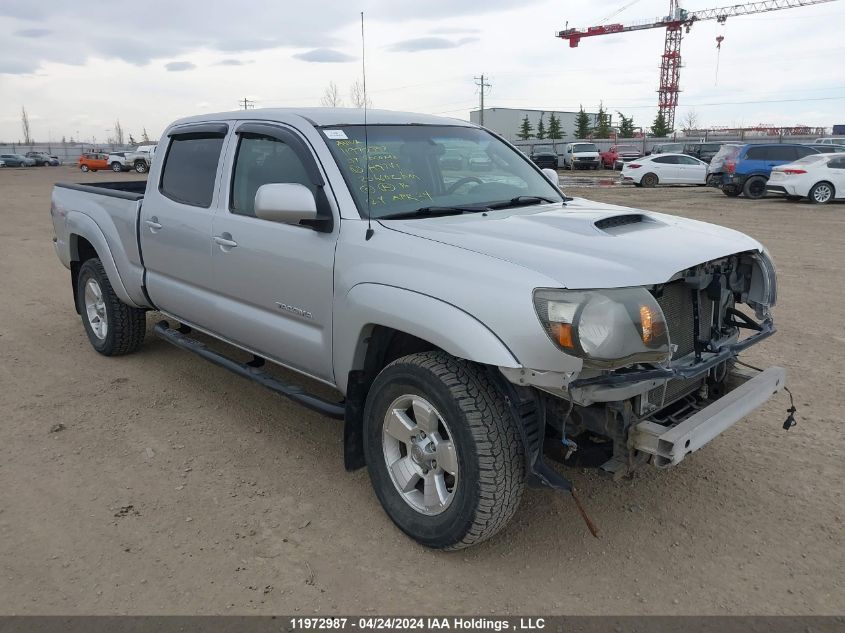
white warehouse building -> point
(507, 122)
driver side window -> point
(261, 160)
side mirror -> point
(553, 176)
(288, 203)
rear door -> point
(175, 223)
(691, 170)
(667, 169)
(275, 280)
(762, 159)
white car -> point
(665, 169)
(819, 177)
(2, 164)
(830, 140)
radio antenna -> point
(370, 231)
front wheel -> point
(140, 167)
(116, 167)
(821, 193)
(113, 327)
(443, 450)
(84, 168)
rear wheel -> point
(140, 167)
(731, 192)
(821, 193)
(116, 167)
(754, 188)
(113, 327)
(443, 450)
(83, 167)
(649, 180)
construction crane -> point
(676, 22)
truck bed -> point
(126, 189)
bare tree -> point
(356, 95)
(27, 132)
(144, 136)
(690, 121)
(118, 132)
(331, 97)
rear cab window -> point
(190, 168)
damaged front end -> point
(659, 376)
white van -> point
(581, 156)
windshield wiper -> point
(427, 212)
(520, 201)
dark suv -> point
(702, 151)
(745, 169)
(544, 156)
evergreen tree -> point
(660, 128)
(541, 127)
(626, 126)
(582, 124)
(602, 123)
(554, 127)
(525, 129)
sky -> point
(79, 66)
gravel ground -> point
(158, 483)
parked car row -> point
(17, 160)
(138, 160)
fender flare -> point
(440, 323)
(80, 225)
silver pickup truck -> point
(473, 323)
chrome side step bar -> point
(249, 370)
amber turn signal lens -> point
(563, 335)
(647, 324)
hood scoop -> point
(616, 221)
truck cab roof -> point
(324, 117)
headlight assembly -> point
(763, 292)
(607, 328)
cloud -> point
(190, 27)
(449, 30)
(179, 66)
(31, 33)
(233, 62)
(418, 44)
(324, 55)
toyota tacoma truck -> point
(472, 323)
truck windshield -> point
(584, 147)
(412, 167)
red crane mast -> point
(676, 22)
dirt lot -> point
(175, 487)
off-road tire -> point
(491, 456)
(649, 180)
(754, 188)
(126, 325)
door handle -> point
(153, 224)
(226, 242)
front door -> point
(275, 280)
(175, 224)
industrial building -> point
(507, 121)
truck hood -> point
(586, 245)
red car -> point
(619, 154)
(93, 161)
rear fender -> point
(81, 225)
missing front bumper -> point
(670, 445)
